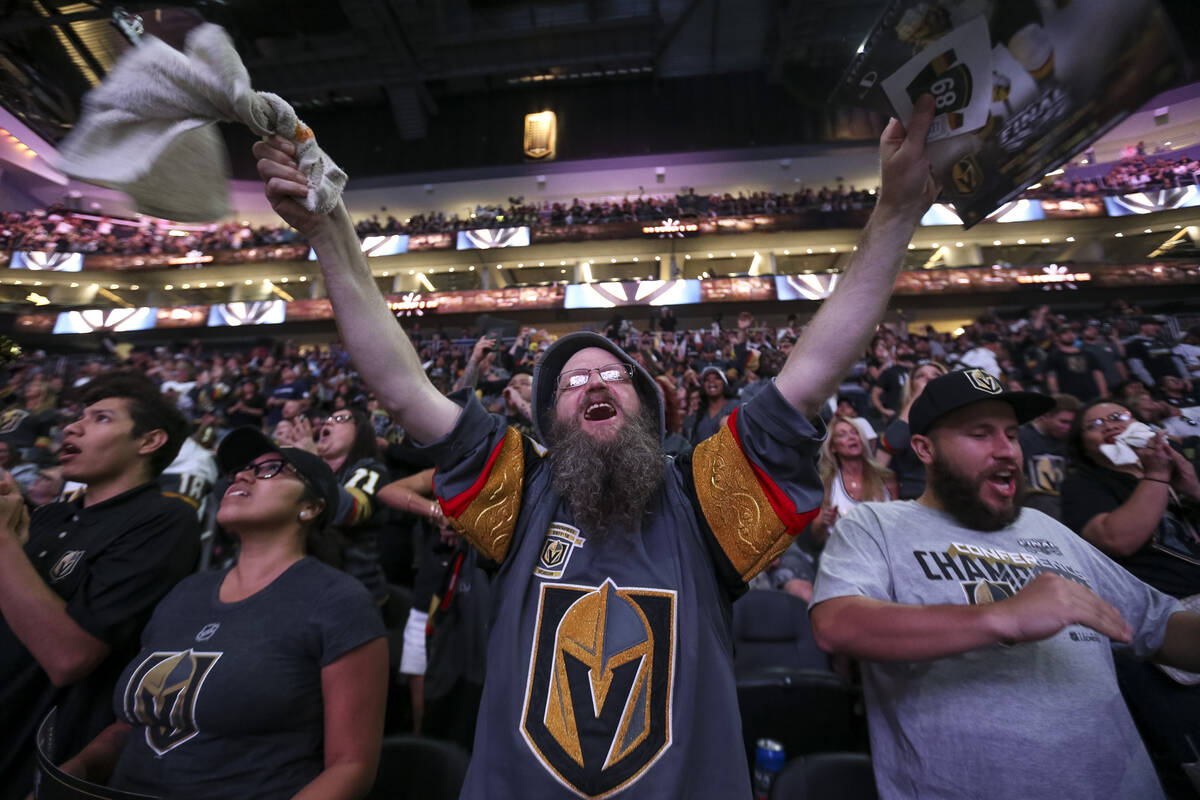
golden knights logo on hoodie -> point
(162, 692)
(601, 677)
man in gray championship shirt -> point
(984, 628)
(609, 664)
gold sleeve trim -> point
(735, 505)
(489, 521)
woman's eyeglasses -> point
(1116, 416)
(265, 470)
(341, 418)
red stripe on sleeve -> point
(781, 504)
(456, 505)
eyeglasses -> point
(609, 373)
(1116, 416)
(341, 418)
(265, 470)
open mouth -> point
(599, 410)
(236, 491)
(1004, 483)
(68, 450)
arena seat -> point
(771, 629)
(826, 776)
(417, 768)
(807, 711)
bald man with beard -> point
(609, 664)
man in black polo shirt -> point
(74, 598)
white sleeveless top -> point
(841, 499)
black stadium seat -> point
(807, 711)
(416, 768)
(826, 776)
(771, 629)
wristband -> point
(1156, 480)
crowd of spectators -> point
(1118, 366)
(643, 208)
(58, 229)
(1137, 173)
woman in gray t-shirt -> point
(261, 680)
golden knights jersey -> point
(610, 661)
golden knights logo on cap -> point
(162, 692)
(561, 541)
(983, 380)
(601, 678)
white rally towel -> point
(1120, 452)
(150, 129)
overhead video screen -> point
(632, 293)
(393, 245)
(489, 238)
(55, 262)
(97, 320)
(266, 312)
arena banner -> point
(486, 301)
(194, 259)
(308, 310)
(1019, 86)
(1073, 208)
(182, 317)
(36, 322)
(737, 290)
(800, 220)
(430, 241)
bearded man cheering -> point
(609, 665)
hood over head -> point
(545, 379)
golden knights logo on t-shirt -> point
(162, 693)
(601, 677)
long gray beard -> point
(607, 485)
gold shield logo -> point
(65, 565)
(983, 381)
(966, 176)
(561, 541)
(162, 692)
(598, 699)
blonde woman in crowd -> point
(850, 475)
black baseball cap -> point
(243, 445)
(952, 391)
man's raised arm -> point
(847, 319)
(381, 351)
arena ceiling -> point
(403, 85)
